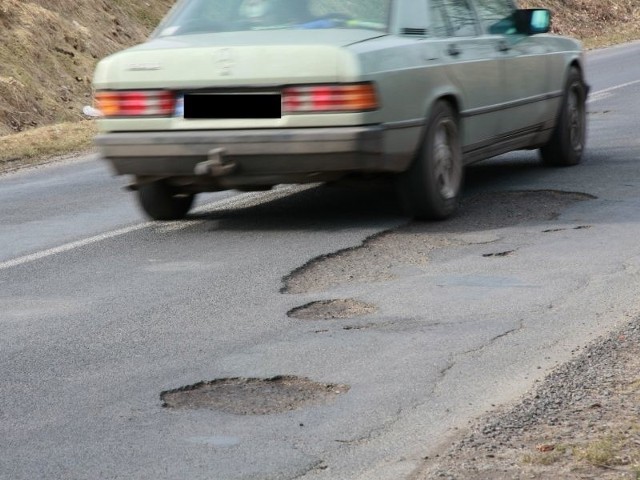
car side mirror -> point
(531, 21)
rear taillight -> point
(357, 97)
(135, 103)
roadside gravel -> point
(582, 422)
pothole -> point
(332, 309)
(381, 257)
(253, 396)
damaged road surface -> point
(313, 332)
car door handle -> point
(453, 50)
(503, 46)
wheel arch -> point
(451, 99)
(575, 62)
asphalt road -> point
(101, 312)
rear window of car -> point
(201, 16)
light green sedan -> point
(248, 94)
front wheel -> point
(161, 201)
(430, 188)
(567, 142)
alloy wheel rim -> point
(446, 172)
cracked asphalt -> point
(446, 342)
(96, 328)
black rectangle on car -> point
(219, 106)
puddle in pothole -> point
(253, 396)
(332, 309)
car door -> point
(473, 64)
(524, 65)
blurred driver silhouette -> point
(275, 12)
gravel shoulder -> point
(581, 422)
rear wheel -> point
(430, 188)
(567, 143)
(162, 201)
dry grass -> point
(547, 457)
(49, 48)
(48, 51)
(596, 23)
(601, 453)
(37, 145)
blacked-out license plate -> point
(218, 106)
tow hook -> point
(215, 165)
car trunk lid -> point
(234, 60)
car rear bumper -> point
(247, 153)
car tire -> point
(569, 136)
(161, 201)
(430, 188)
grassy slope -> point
(48, 50)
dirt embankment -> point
(49, 48)
(595, 22)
